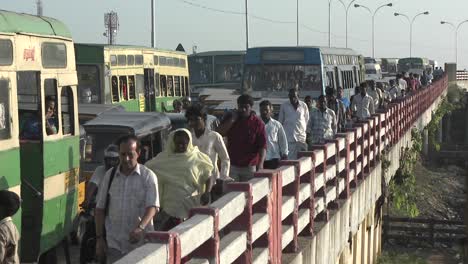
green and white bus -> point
(413, 65)
(37, 61)
(141, 79)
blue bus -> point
(269, 72)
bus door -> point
(150, 94)
(337, 79)
(31, 153)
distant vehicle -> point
(271, 71)
(178, 120)
(413, 65)
(141, 79)
(434, 64)
(150, 128)
(87, 112)
(373, 71)
(369, 60)
(389, 66)
(216, 69)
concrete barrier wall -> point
(318, 209)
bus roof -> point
(16, 23)
(141, 124)
(219, 53)
(311, 53)
(119, 46)
(94, 52)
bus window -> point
(113, 60)
(54, 55)
(182, 86)
(356, 81)
(187, 91)
(6, 52)
(50, 106)
(138, 59)
(337, 78)
(162, 61)
(163, 85)
(170, 86)
(28, 83)
(177, 86)
(5, 130)
(130, 60)
(131, 87)
(88, 84)
(331, 79)
(156, 84)
(155, 60)
(115, 89)
(182, 63)
(121, 60)
(67, 110)
(123, 87)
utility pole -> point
(246, 25)
(153, 26)
(111, 22)
(39, 8)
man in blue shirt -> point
(345, 100)
(32, 127)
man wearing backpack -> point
(127, 201)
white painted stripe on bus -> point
(60, 184)
(16, 189)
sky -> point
(184, 21)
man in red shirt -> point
(246, 139)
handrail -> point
(258, 221)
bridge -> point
(322, 208)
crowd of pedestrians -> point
(196, 161)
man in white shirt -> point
(209, 142)
(401, 83)
(127, 201)
(375, 94)
(277, 143)
(294, 116)
(363, 104)
(393, 91)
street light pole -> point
(297, 23)
(153, 27)
(346, 18)
(373, 26)
(455, 28)
(246, 26)
(373, 22)
(411, 27)
(329, 20)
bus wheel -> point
(49, 257)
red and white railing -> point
(258, 221)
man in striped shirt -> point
(322, 124)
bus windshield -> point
(281, 78)
(201, 70)
(407, 65)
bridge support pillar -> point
(425, 137)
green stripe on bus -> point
(9, 168)
(130, 105)
(167, 101)
(61, 155)
(58, 217)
